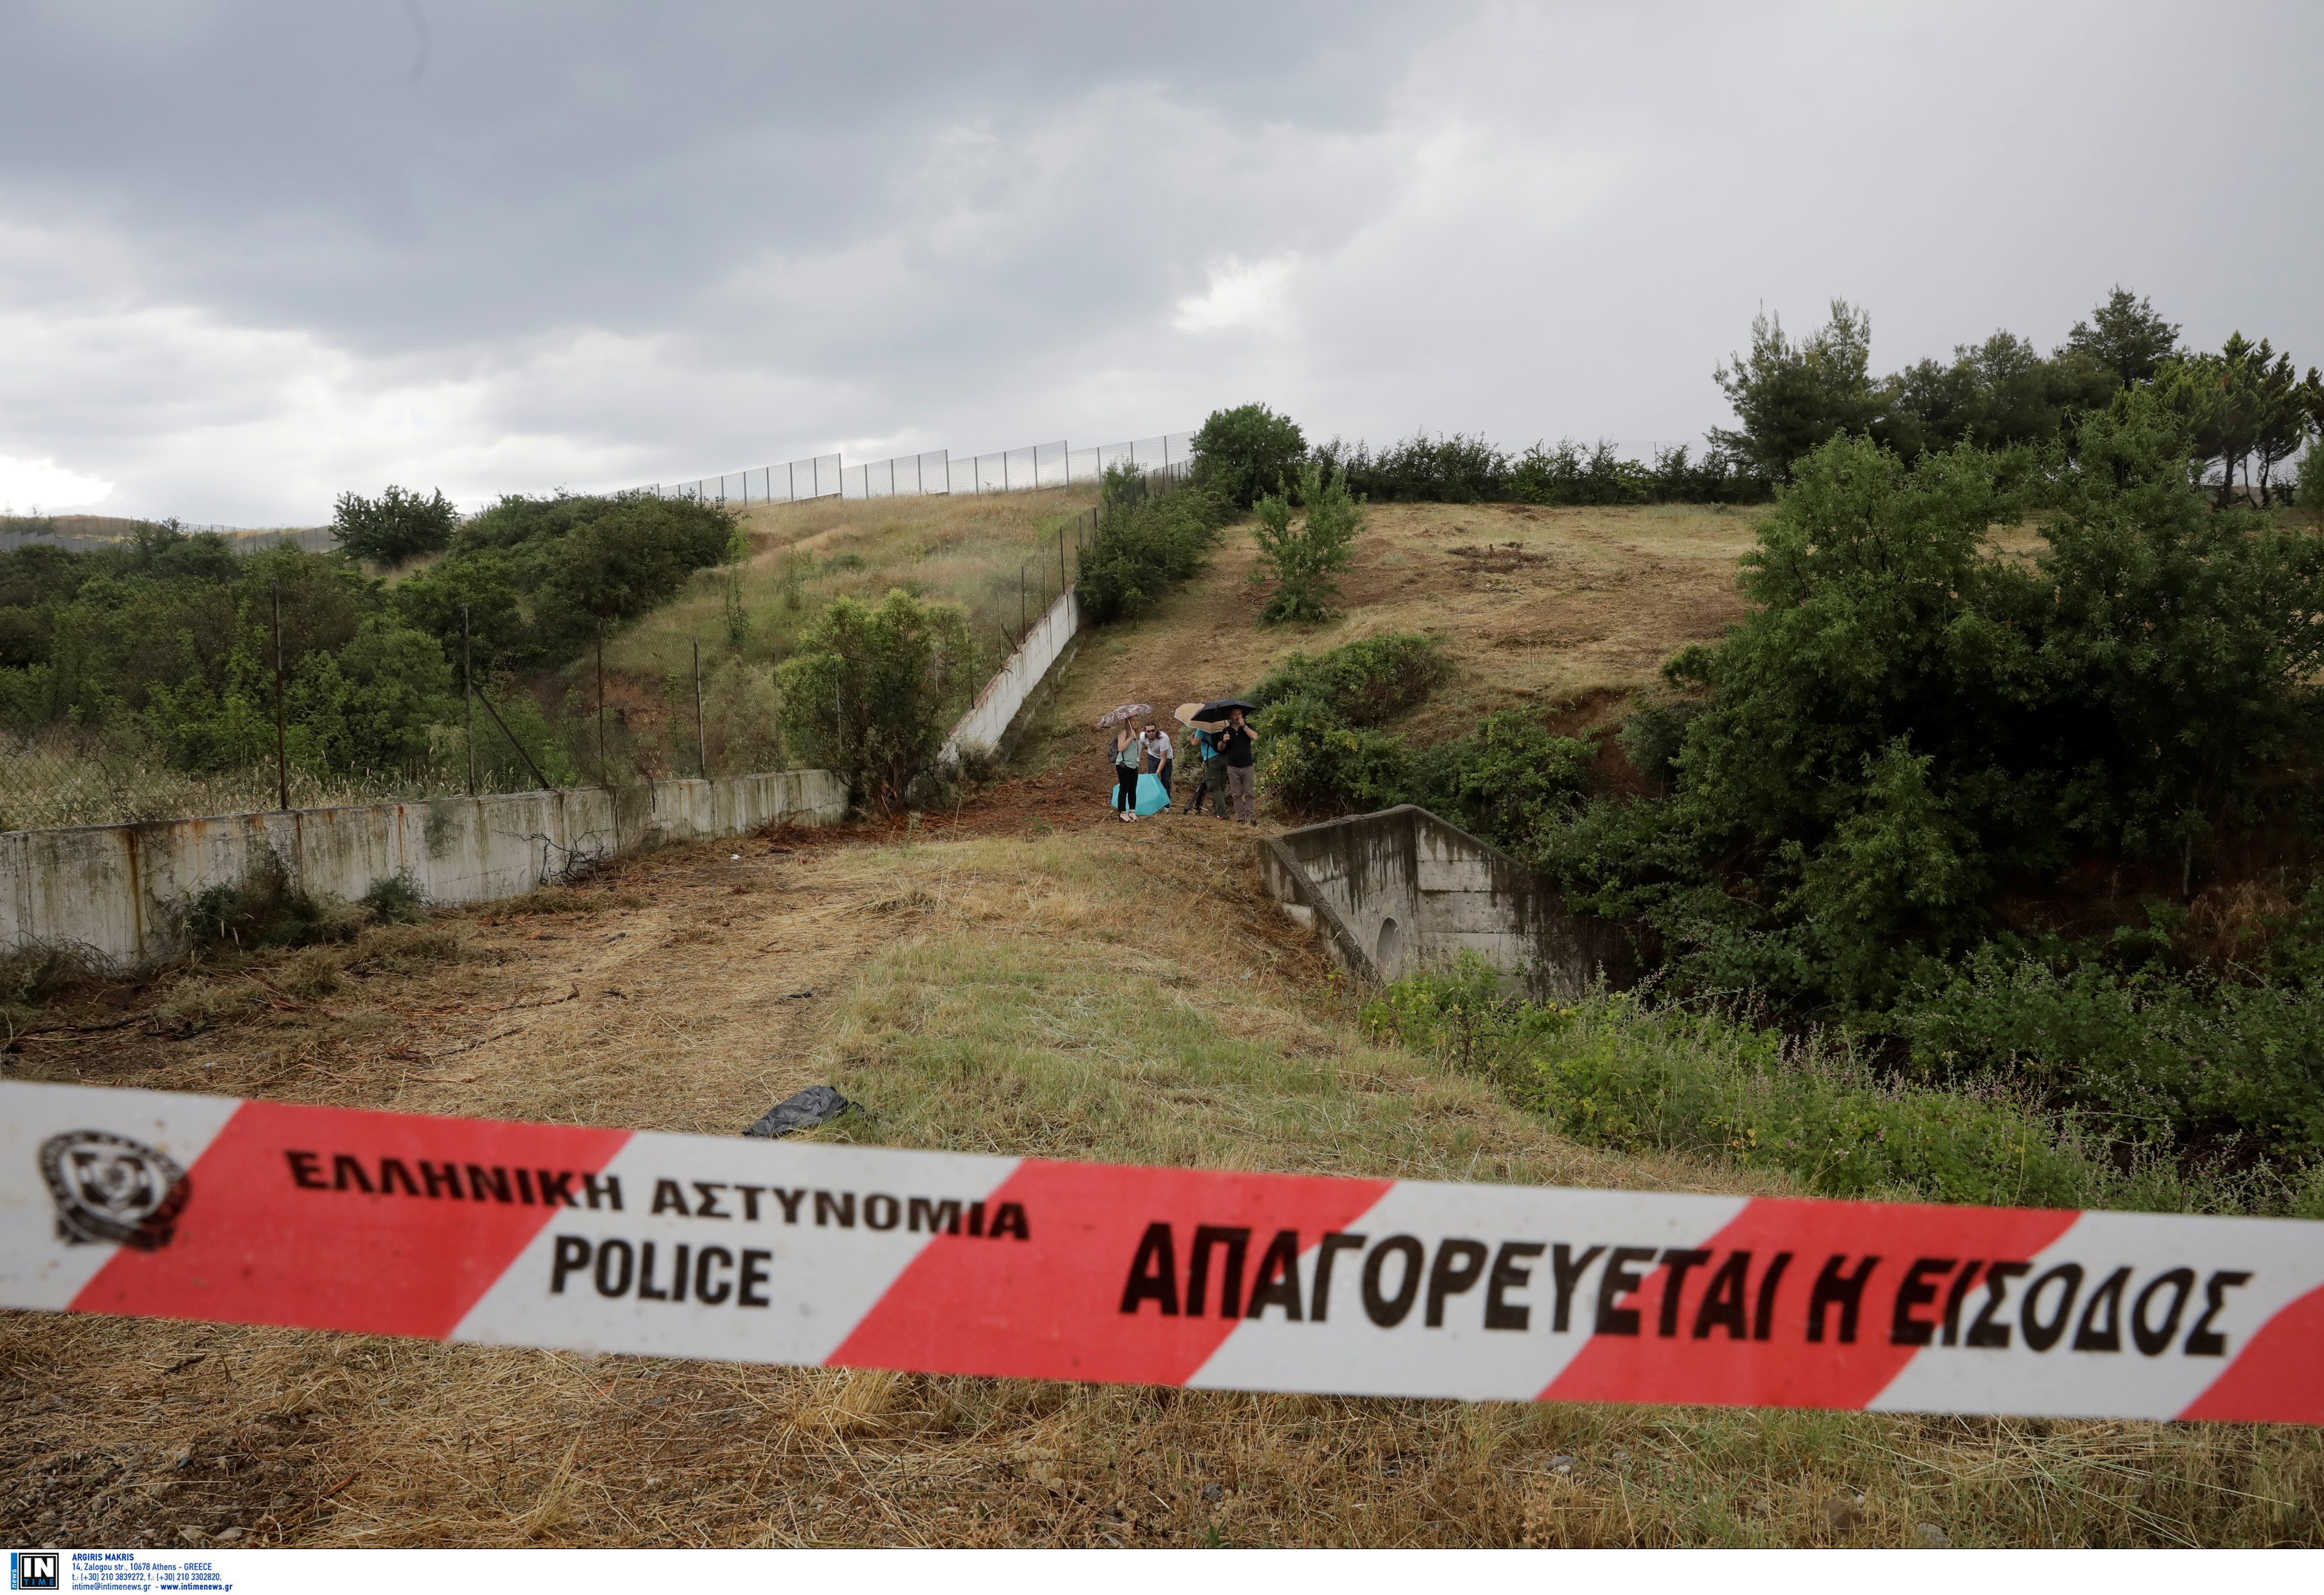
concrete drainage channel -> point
(1401, 890)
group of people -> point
(1228, 772)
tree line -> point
(2247, 410)
(174, 641)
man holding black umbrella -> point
(1242, 773)
(1212, 777)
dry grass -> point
(1099, 992)
(969, 551)
(1557, 610)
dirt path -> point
(678, 992)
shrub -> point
(1614, 1070)
(1302, 560)
(397, 899)
(1565, 475)
(870, 694)
(543, 575)
(1367, 682)
(266, 909)
(395, 528)
(1247, 451)
(1323, 754)
(33, 971)
(2189, 1060)
(1906, 718)
(1313, 762)
(1461, 470)
(1653, 735)
(1442, 470)
(739, 549)
(1145, 543)
(1504, 780)
(2310, 495)
(741, 714)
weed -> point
(397, 899)
(410, 949)
(564, 900)
(199, 1004)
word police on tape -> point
(595, 1239)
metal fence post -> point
(605, 767)
(468, 688)
(701, 737)
(281, 735)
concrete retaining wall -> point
(1391, 890)
(988, 720)
(119, 892)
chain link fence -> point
(917, 475)
(265, 739)
(248, 721)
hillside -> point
(1016, 975)
(970, 551)
(1558, 610)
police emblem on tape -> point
(111, 1189)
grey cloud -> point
(560, 160)
(246, 259)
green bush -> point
(543, 576)
(2188, 1059)
(267, 909)
(1613, 1070)
(1367, 682)
(2310, 495)
(1247, 451)
(1464, 470)
(1147, 542)
(1439, 470)
(1304, 559)
(1313, 762)
(1653, 735)
(1504, 780)
(1907, 719)
(395, 528)
(1323, 753)
(872, 691)
(396, 899)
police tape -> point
(177, 1206)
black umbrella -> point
(1217, 709)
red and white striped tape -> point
(196, 1207)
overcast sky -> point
(252, 254)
